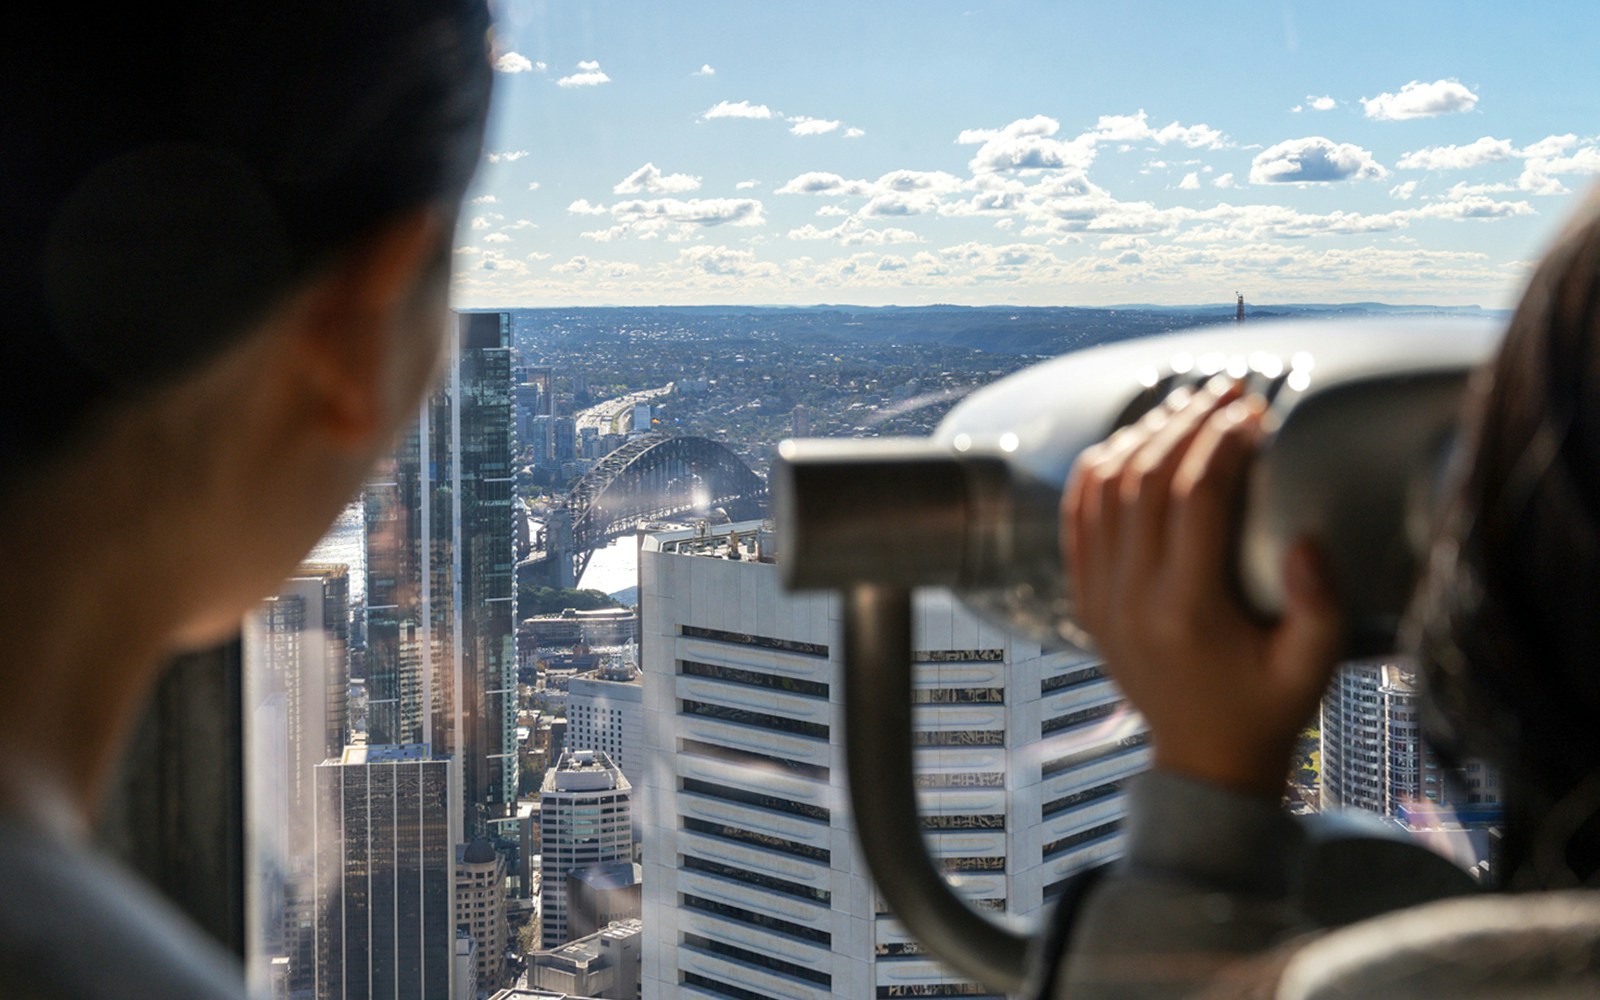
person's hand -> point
(1149, 537)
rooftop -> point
(385, 753)
(583, 771)
(749, 541)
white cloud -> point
(589, 75)
(746, 185)
(1404, 191)
(1314, 160)
(483, 199)
(674, 218)
(1420, 100)
(854, 133)
(1539, 173)
(705, 70)
(649, 179)
(1136, 128)
(583, 207)
(1473, 154)
(1190, 182)
(821, 182)
(497, 238)
(1026, 144)
(510, 156)
(801, 125)
(736, 109)
(576, 265)
(540, 66)
(1224, 181)
(723, 262)
(513, 62)
(852, 232)
(1551, 145)
(1321, 103)
(1297, 109)
(832, 211)
(533, 185)
(480, 223)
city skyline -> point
(1025, 153)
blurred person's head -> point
(226, 232)
(1509, 617)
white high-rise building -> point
(585, 818)
(605, 711)
(1353, 739)
(752, 881)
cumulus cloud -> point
(649, 179)
(589, 74)
(510, 156)
(1223, 181)
(1473, 154)
(497, 238)
(1136, 128)
(705, 70)
(647, 218)
(822, 182)
(852, 233)
(1323, 103)
(1420, 100)
(1404, 191)
(736, 109)
(724, 262)
(832, 211)
(513, 62)
(854, 133)
(1027, 144)
(583, 207)
(801, 125)
(483, 199)
(533, 185)
(1314, 160)
(746, 185)
(1190, 182)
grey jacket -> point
(1222, 895)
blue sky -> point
(1027, 152)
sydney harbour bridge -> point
(654, 477)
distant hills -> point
(1013, 330)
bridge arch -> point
(657, 477)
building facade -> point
(385, 873)
(440, 660)
(752, 880)
(1354, 739)
(605, 711)
(586, 818)
(481, 908)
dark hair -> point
(167, 174)
(1508, 620)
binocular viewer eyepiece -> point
(1361, 417)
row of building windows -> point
(758, 799)
(931, 990)
(1079, 717)
(958, 696)
(1067, 843)
(751, 759)
(1064, 763)
(753, 678)
(1056, 806)
(761, 720)
(758, 960)
(722, 831)
(1072, 678)
(762, 641)
(767, 923)
(959, 738)
(977, 821)
(720, 988)
(748, 877)
(993, 863)
(958, 656)
(961, 779)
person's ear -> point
(369, 328)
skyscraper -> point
(385, 875)
(586, 818)
(605, 711)
(440, 658)
(752, 881)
